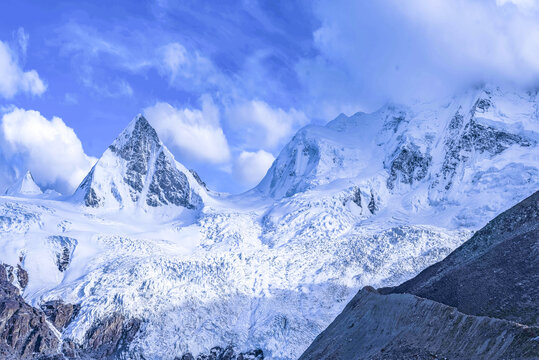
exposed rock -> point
(24, 331)
(228, 353)
(403, 326)
(169, 185)
(494, 273)
(137, 169)
(110, 336)
(373, 207)
(59, 313)
(408, 166)
(198, 179)
(22, 277)
(356, 196)
(63, 248)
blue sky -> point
(227, 83)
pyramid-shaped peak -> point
(139, 131)
(25, 185)
(137, 170)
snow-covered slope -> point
(492, 278)
(476, 154)
(24, 186)
(370, 199)
(138, 171)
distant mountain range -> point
(144, 262)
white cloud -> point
(13, 79)
(49, 149)
(374, 51)
(188, 69)
(259, 125)
(250, 167)
(195, 133)
(22, 39)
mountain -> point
(137, 170)
(24, 186)
(360, 201)
(494, 273)
(479, 302)
(423, 158)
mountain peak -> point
(25, 185)
(138, 170)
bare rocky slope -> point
(478, 303)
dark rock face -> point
(22, 277)
(90, 197)
(408, 166)
(24, 331)
(404, 326)
(149, 176)
(442, 312)
(110, 336)
(137, 150)
(228, 353)
(63, 248)
(356, 196)
(26, 334)
(198, 179)
(169, 185)
(465, 138)
(59, 313)
(373, 207)
(495, 273)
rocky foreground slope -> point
(478, 303)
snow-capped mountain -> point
(370, 199)
(429, 156)
(479, 302)
(24, 186)
(137, 170)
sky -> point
(226, 84)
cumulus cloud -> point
(196, 133)
(257, 124)
(250, 167)
(13, 79)
(48, 148)
(372, 51)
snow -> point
(25, 186)
(271, 268)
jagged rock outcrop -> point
(228, 353)
(480, 302)
(24, 331)
(110, 336)
(59, 313)
(63, 248)
(137, 170)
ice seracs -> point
(24, 186)
(138, 171)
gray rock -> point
(59, 313)
(110, 336)
(24, 332)
(404, 326)
(439, 313)
(495, 273)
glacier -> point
(368, 199)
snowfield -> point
(370, 199)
